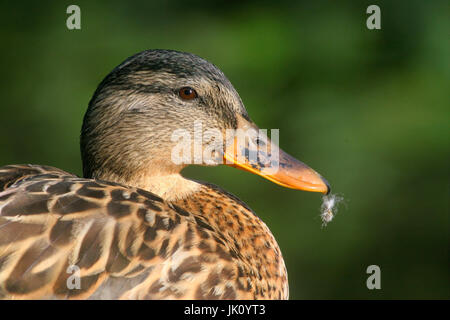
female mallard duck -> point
(133, 227)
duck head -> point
(159, 104)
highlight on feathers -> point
(329, 207)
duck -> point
(133, 227)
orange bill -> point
(274, 164)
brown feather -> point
(141, 247)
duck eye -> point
(187, 93)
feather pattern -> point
(128, 243)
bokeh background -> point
(368, 109)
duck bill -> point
(274, 165)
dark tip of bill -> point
(328, 185)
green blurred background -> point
(367, 109)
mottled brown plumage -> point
(133, 226)
(130, 243)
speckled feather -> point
(130, 243)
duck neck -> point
(167, 184)
(170, 187)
